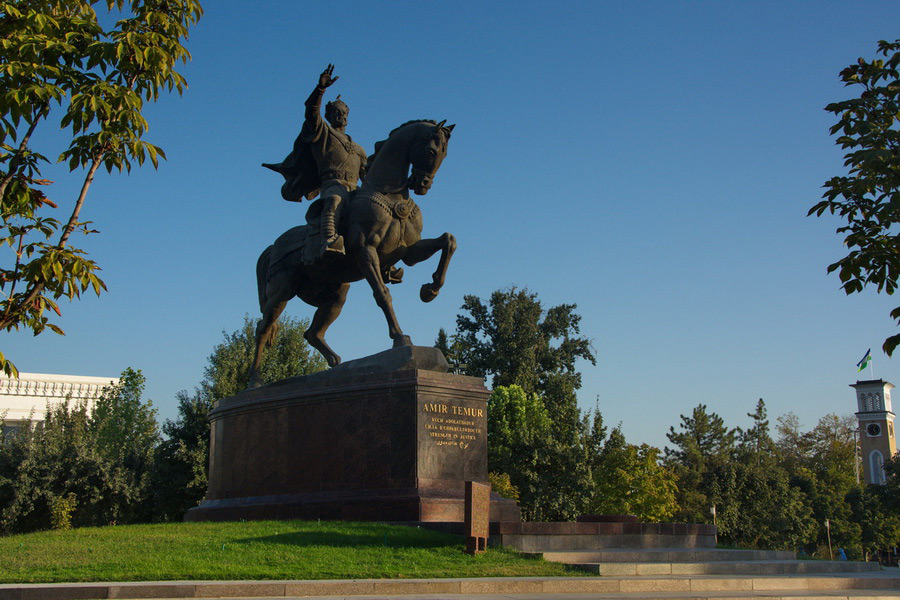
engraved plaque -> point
(478, 512)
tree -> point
(892, 481)
(228, 371)
(517, 342)
(629, 480)
(551, 476)
(755, 444)
(704, 438)
(99, 464)
(702, 445)
(757, 507)
(55, 56)
(793, 446)
(530, 353)
(125, 433)
(868, 197)
(879, 522)
(183, 458)
(834, 457)
(824, 466)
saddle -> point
(305, 244)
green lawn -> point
(252, 550)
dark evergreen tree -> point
(515, 341)
(702, 445)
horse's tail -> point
(262, 271)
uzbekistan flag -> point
(865, 361)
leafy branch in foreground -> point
(868, 197)
(56, 57)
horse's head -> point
(426, 155)
(421, 144)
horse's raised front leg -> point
(424, 249)
(370, 266)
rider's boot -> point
(334, 243)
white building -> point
(28, 396)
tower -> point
(877, 440)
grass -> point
(253, 550)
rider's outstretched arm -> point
(314, 105)
(314, 102)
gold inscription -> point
(459, 428)
(468, 412)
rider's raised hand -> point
(325, 79)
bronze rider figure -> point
(324, 161)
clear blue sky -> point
(651, 162)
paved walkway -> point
(884, 584)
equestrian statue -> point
(351, 233)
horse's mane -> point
(378, 145)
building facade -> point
(877, 438)
(28, 397)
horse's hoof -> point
(403, 340)
(428, 293)
(255, 382)
(333, 360)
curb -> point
(489, 585)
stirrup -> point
(335, 245)
(393, 275)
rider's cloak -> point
(300, 172)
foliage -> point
(779, 515)
(550, 472)
(879, 523)
(61, 510)
(180, 478)
(228, 368)
(892, 481)
(56, 57)
(517, 342)
(536, 432)
(792, 446)
(125, 434)
(868, 197)
(103, 459)
(757, 507)
(501, 484)
(828, 475)
(755, 444)
(702, 445)
(183, 461)
(630, 480)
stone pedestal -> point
(379, 440)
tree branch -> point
(88, 180)
(17, 158)
(12, 316)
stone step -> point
(560, 536)
(762, 567)
(868, 586)
(664, 555)
(561, 543)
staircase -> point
(659, 560)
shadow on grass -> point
(357, 540)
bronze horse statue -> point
(381, 225)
